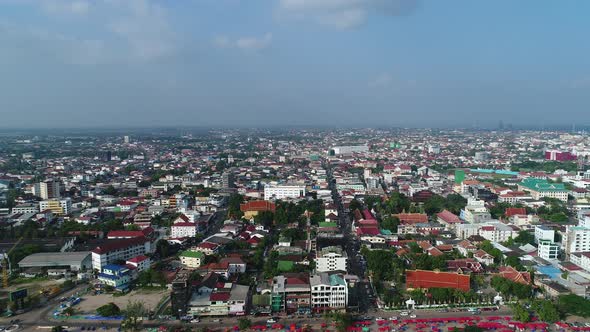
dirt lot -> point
(150, 298)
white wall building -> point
(119, 250)
(283, 191)
(328, 292)
(348, 149)
(57, 206)
(543, 232)
(548, 250)
(331, 259)
(581, 259)
(497, 232)
(576, 239)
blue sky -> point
(423, 63)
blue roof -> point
(114, 267)
(109, 276)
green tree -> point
(546, 310)
(58, 328)
(134, 312)
(355, 205)
(109, 310)
(163, 248)
(68, 284)
(397, 203)
(110, 190)
(390, 223)
(525, 237)
(233, 210)
(574, 305)
(244, 324)
(520, 313)
(434, 204)
(342, 320)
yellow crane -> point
(6, 264)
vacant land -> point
(149, 298)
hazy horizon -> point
(293, 63)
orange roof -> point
(510, 273)
(412, 218)
(257, 206)
(435, 279)
(515, 211)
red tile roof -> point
(257, 206)
(119, 244)
(124, 234)
(514, 211)
(434, 279)
(184, 224)
(448, 217)
(183, 217)
(367, 231)
(368, 215)
(412, 218)
(510, 273)
(138, 259)
(219, 297)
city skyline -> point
(323, 63)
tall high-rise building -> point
(47, 189)
(126, 139)
(180, 294)
(227, 179)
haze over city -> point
(294, 165)
(147, 63)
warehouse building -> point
(74, 261)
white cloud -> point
(112, 30)
(343, 14)
(345, 19)
(249, 43)
(144, 28)
(61, 7)
(254, 43)
(383, 79)
(222, 41)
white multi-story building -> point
(119, 250)
(475, 212)
(576, 239)
(57, 206)
(543, 232)
(464, 231)
(581, 259)
(25, 208)
(548, 250)
(191, 259)
(47, 189)
(349, 149)
(283, 191)
(331, 259)
(183, 227)
(497, 232)
(328, 292)
(141, 263)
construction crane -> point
(6, 267)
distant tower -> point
(501, 125)
(126, 139)
(227, 179)
(230, 159)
